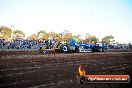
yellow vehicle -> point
(42, 49)
(61, 47)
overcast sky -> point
(97, 17)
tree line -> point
(8, 34)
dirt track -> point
(34, 70)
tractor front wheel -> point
(81, 48)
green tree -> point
(65, 34)
(18, 34)
(67, 37)
(42, 35)
(45, 37)
(58, 37)
(5, 32)
(91, 39)
(33, 37)
(108, 39)
(53, 34)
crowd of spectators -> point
(36, 44)
(25, 44)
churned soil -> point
(31, 69)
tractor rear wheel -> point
(64, 49)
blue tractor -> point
(73, 46)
